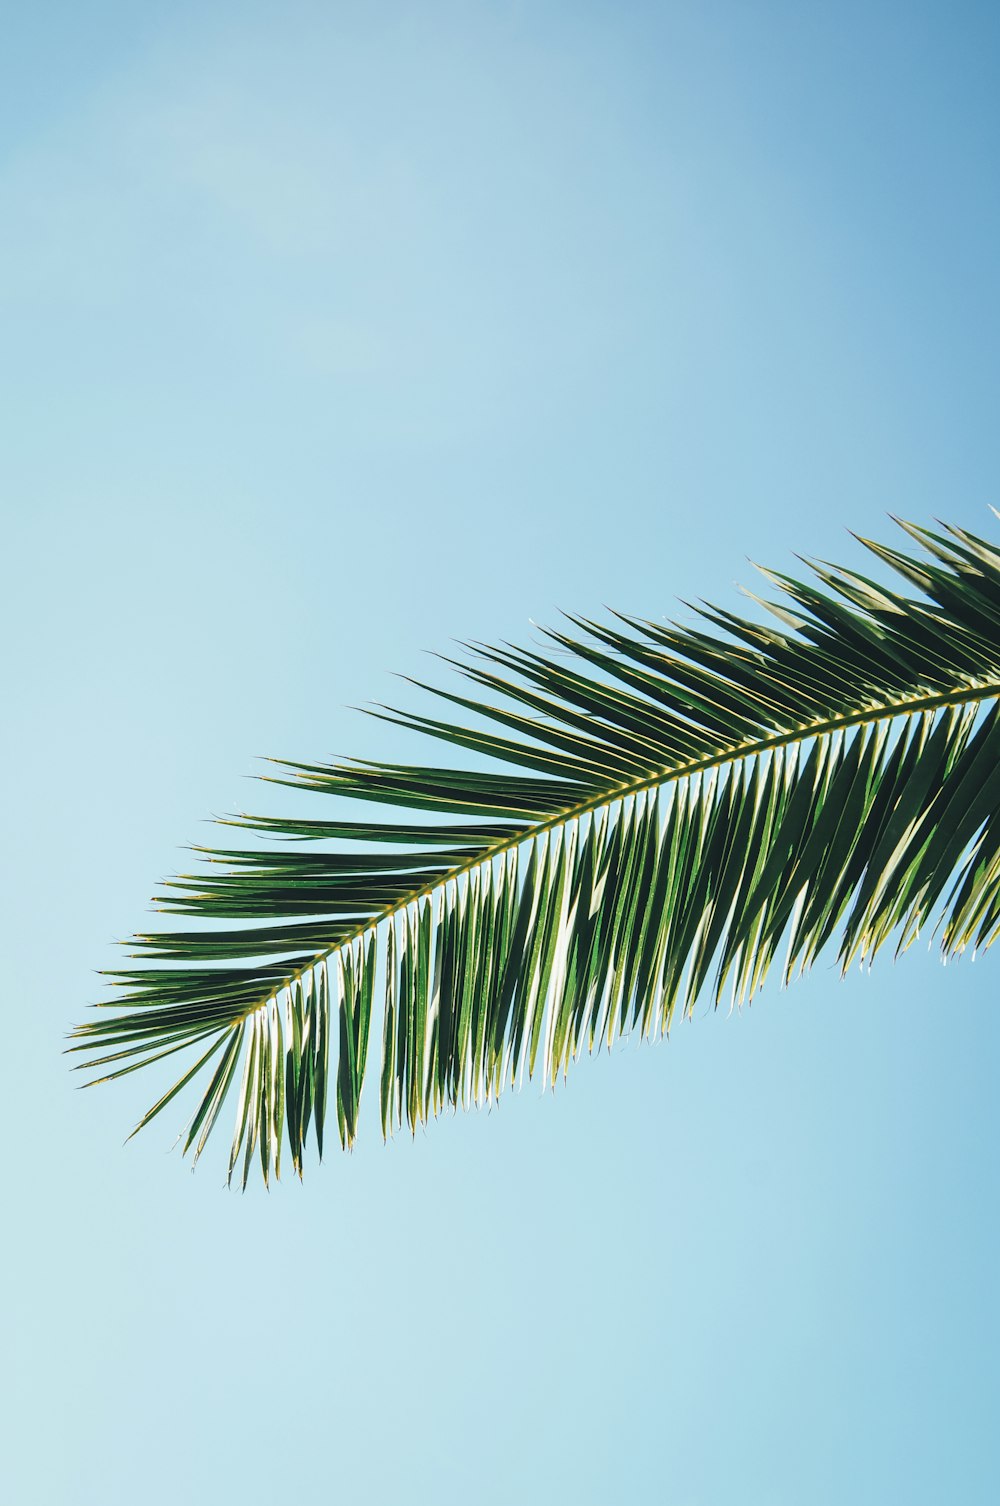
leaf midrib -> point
(975, 691)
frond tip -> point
(683, 804)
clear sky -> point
(332, 333)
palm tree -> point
(685, 803)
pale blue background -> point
(331, 333)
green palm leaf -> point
(677, 806)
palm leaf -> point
(673, 807)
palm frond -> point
(674, 807)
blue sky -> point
(333, 334)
